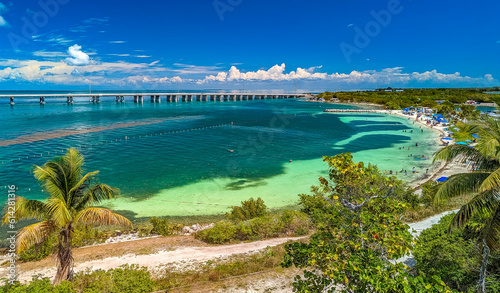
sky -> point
(248, 44)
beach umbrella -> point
(468, 140)
(462, 143)
(476, 136)
(442, 179)
(447, 138)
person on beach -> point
(426, 170)
(413, 170)
(416, 144)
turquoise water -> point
(180, 163)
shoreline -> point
(436, 171)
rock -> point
(185, 229)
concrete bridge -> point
(158, 97)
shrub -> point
(38, 285)
(222, 232)
(126, 278)
(87, 235)
(249, 209)
(287, 223)
(447, 254)
(38, 252)
(161, 227)
(429, 190)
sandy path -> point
(178, 256)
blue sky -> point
(235, 44)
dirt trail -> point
(178, 256)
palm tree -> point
(483, 182)
(72, 197)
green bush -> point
(222, 232)
(429, 190)
(126, 279)
(87, 235)
(38, 285)
(161, 227)
(38, 252)
(82, 235)
(288, 223)
(448, 255)
(249, 209)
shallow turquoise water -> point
(182, 166)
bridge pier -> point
(138, 99)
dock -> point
(353, 111)
(156, 97)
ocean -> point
(200, 158)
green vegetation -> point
(134, 279)
(483, 184)
(161, 227)
(414, 97)
(130, 279)
(287, 223)
(71, 201)
(359, 236)
(449, 254)
(249, 209)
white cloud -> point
(48, 54)
(154, 63)
(142, 56)
(78, 56)
(117, 42)
(82, 70)
(120, 55)
(3, 9)
(385, 76)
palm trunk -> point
(484, 264)
(64, 261)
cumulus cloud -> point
(393, 75)
(82, 70)
(78, 56)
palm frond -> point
(59, 212)
(465, 154)
(48, 177)
(78, 186)
(27, 209)
(99, 192)
(101, 216)
(34, 234)
(460, 184)
(491, 182)
(491, 232)
(485, 202)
